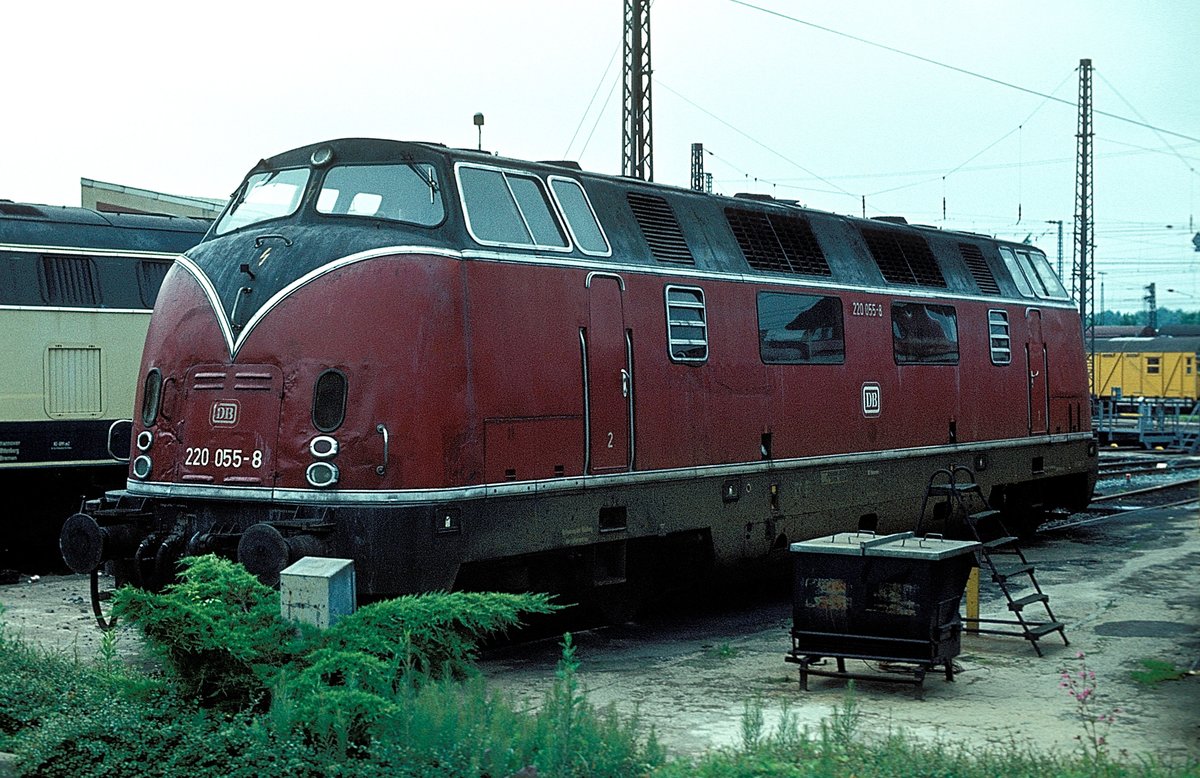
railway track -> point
(1125, 503)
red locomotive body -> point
(466, 371)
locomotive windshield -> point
(406, 193)
(269, 195)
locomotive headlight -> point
(323, 447)
(322, 474)
(144, 439)
(141, 465)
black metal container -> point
(891, 597)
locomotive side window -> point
(924, 334)
(800, 329)
(404, 193)
(509, 209)
(687, 324)
(581, 217)
(264, 196)
(69, 281)
(1018, 275)
(329, 401)
(1038, 268)
(1001, 341)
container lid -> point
(899, 545)
(931, 548)
(847, 543)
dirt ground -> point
(1128, 589)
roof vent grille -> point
(659, 227)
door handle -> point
(382, 430)
(624, 383)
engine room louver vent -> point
(69, 281)
(978, 266)
(777, 242)
(150, 275)
(660, 229)
(904, 258)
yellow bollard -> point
(973, 597)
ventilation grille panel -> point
(904, 258)
(978, 266)
(69, 281)
(73, 381)
(660, 228)
(777, 242)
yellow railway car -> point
(76, 290)
(1151, 367)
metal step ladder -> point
(1012, 572)
(1189, 437)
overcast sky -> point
(184, 98)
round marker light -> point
(321, 156)
(141, 466)
(322, 474)
(323, 447)
(144, 439)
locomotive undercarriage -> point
(615, 538)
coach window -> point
(1153, 365)
(687, 324)
(1014, 270)
(1001, 341)
(581, 217)
(924, 334)
(800, 329)
(264, 196)
(403, 193)
(509, 209)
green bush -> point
(218, 629)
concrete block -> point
(317, 590)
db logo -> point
(224, 413)
(872, 399)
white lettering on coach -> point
(872, 399)
(224, 413)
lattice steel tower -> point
(698, 182)
(1084, 272)
(637, 147)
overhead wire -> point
(591, 102)
(754, 140)
(955, 68)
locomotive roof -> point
(376, 150)
(28, 224)
(667, 227)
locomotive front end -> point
(264, 432)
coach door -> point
(1039, 376)
(607, 377)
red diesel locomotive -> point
(465, 371)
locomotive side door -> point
(1036, 364)
(607, 377)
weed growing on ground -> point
(1081, 684)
